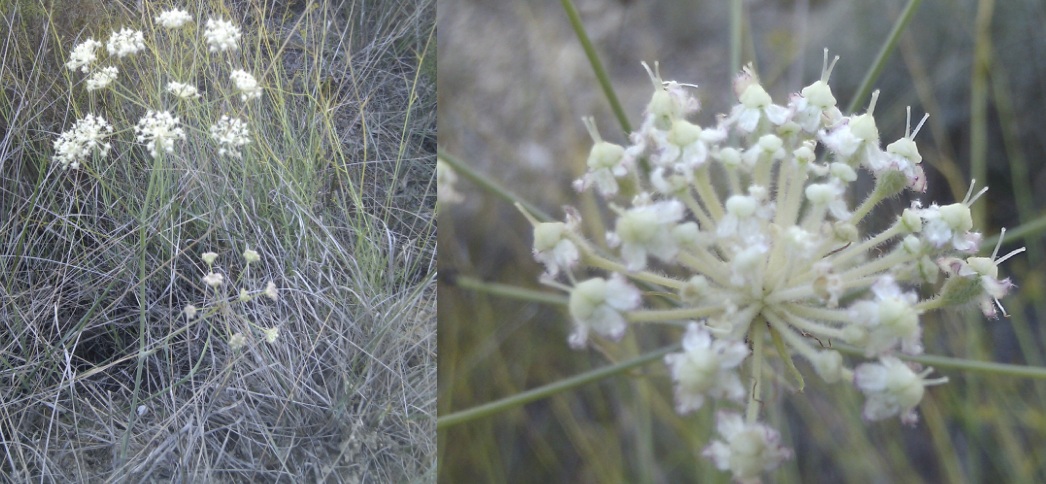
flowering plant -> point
(749, 229)
(158, 129)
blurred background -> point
(513, 84)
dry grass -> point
(102, 379)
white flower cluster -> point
(173, 19)
(101, 78)
(221, 35)
(748, 448)
(231, 134)
(83, 56)
(246, 84)
(184, 91)
(158, 130)
(125, 42)
(754, 234)
(84, 138)
(216, 280)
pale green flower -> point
(271, 335)
(237, 341)
(213, 279)
(270, 291)
(209, 257)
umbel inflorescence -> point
(761, 252)
(158, 129)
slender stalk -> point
(507, 290)
(490, 185)
(887, 48)
(982, 59)
(736, 27)
(549, 390)
(938, 362)
(597, 65)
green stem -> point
(736, 27)
(506, 290)
(982, 60)
(597, 65)
(938, 362)
(490, 185)
(884, 52)
(1026, 230)
(549, 390)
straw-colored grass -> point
(102, 376)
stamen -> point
(826, 68)
(871, 105)
(655, 75)
(1002, 233)
(920, 126)
(590, 124)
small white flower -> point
(246, 84)
(889, 319)
(597, 304)
(86, 137)
(746, 449)
(184, 91)
(951, 223)
(814, 106)
(209, 257)
(671, 101)
(892, 389)
(687, 147)
(231, 134)
(271, 335)
(221, 35)
(983, 274)
(173, 18)
(237, 341)
(553, 247)
(647, 229)
(83, 55)
(101, 78)
(244, 295)
(251, 255)
(707, 367)
(855, 139)
(829, 196)
(606, 163)
(755, 106)
(213, 279)
(125, 42)
(190, 311)
(903, 156)
(158, 130)
(746, 215)
(270, 291)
